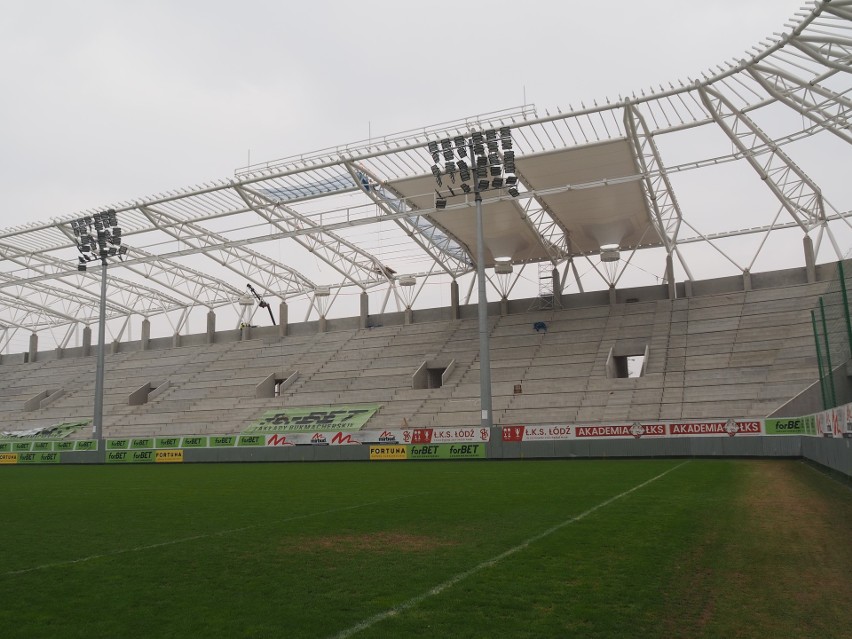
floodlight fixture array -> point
(491, 169)
(98, 237)
(491, 165)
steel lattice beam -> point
(798, 194)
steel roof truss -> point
(249, 263)
(795, 190)
(439, 244)
(663, 209)
(828, 109)
(355, 264)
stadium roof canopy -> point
(726, 173)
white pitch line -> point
(218, 533)
(452, 581)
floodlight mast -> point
(99, 238)
(502, 170)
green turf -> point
(311, 550)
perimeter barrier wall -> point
(825, 438)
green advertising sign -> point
(117, 444)
(222, 441)
(447, 451)
(168, 442)
(64, 445)
(130, 457)
(5, 447)
(86, 444)
(38, 458)
(252, 440)
(313, 418)
(194, 442)
(786, 426)
(21, 447)
(142, 442)
(57, 431)
(42, 445)
(810, 425)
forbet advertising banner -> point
(57, 431)
(43, 446)
(29, 458)
(380, 452)
(447, 451)
(787, 426)
(313, 418)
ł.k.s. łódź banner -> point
(313, 418)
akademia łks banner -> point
(636, 430)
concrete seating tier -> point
(732, 354)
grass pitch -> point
(643, 548)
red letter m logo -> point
(278, 440)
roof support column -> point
(810, 260)
(365, 310)
(211, 326)
(145, 335)
(557, 289)
(31, 356)
(454, 300)
(670, 277)
(87, 341)
(283, 318)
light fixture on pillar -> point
(610, 253)
(98, 237)
(486, 169)
(503, 265)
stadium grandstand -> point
(645, 264)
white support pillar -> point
(283, 318)
(670, 280)
(454, 300)
(810, 259)
(365, 310)
(145, 337)
(211, 326)
(557, 289)
(31, 356)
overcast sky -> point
(106, 101)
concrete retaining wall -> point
(835, 454)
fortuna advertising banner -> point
(426, 451)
